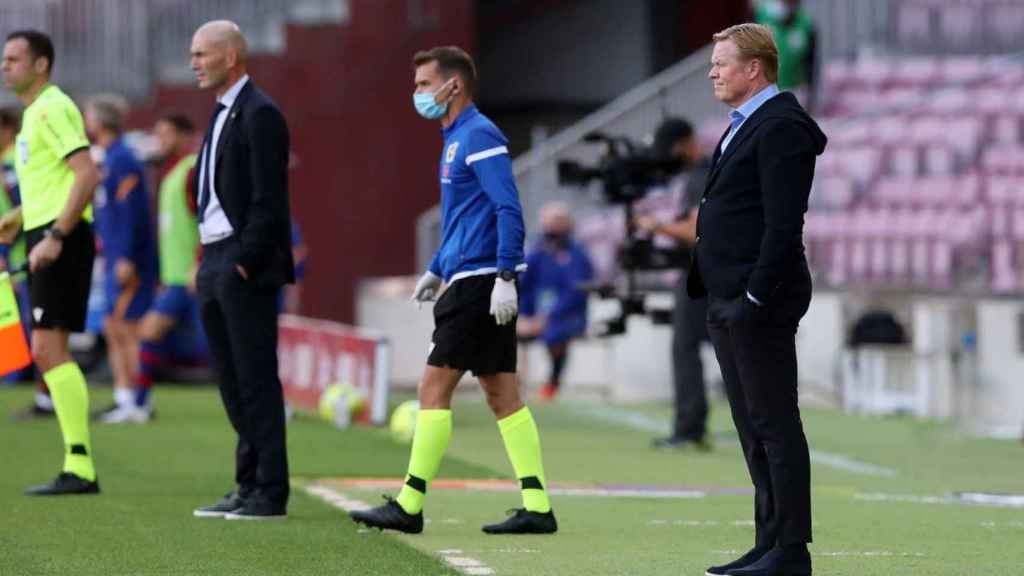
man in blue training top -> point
(481, 252)
(554, 308)
(128, 247)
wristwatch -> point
(55, 233)
(507, 275)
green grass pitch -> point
(153, 476)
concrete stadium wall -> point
(999, 408)
(632, 367)
(945, 373)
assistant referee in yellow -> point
(57, 178)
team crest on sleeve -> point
(449, 156)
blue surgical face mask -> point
(427, 107)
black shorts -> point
(59, 293)
(466, 337)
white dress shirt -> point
(215, 225)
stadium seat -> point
(924, 172)
(903, 161)
(939, 160)
(958, 23)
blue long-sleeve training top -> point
(550, 288)
(122, 211)
(482, 221)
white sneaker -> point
(127, 414)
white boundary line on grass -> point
(987, 500)
(553, 489)
(1015, 524)
(645, 423)
(453, 558)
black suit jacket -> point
(252, 185)
(750, 224)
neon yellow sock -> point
(433, 431)
(522, 442)
(71, 402)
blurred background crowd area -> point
(922, 100)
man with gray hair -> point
(128, 247)
(245, 230)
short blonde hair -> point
(756, 42)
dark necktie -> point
(208, 151)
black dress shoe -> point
(65, 484)
(522, 521)
(258, 509)
(229, 503)
(390, 516)
(779, 561)
(747, 559)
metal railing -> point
(681, 90)
(127, 46)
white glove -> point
(504, 301)
(426, 288)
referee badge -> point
(449, 156)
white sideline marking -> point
(466, 565)
(870, 554)
(336, 499)
(702, 523)
(554, 489)
(984, 499)
(516, 550)
(968, 499)
(994, 525)
(645, 423)
(628, 493)
(847, 464)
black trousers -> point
(240, 320)
(756, 348)
(689, 329)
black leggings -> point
(559, 354)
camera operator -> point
(675, 138)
